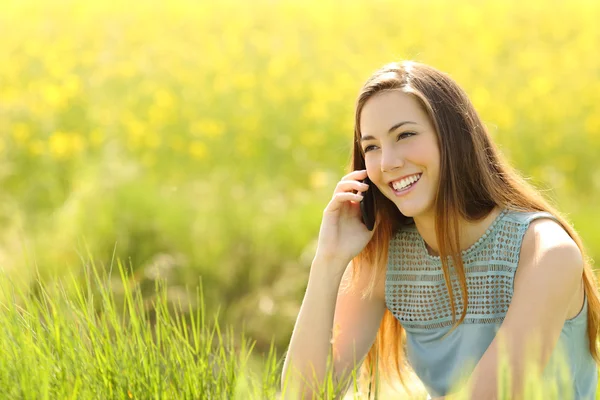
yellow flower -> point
(177, 144)
(53, 95)
(97, 137)
(59, 144)
(36, 147)
(152, 140)
(198, 150)
(62, 145)
(592, 125)
(72, 85)
(164, 99)
(21, 132)
(209, 128)
(316, 110)
(318, 179)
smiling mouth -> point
(406, 183)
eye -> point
(406, 134)
(369, 148)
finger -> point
(359, 174)
(340, 198)
(350, 185)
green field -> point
(190, 141)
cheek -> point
(426, 156)
(435, 162)
(372, 164)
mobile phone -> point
(367, 206)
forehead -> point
(386, 109)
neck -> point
(469, 231)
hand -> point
(343, 235)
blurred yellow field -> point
(198, 138)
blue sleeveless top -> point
(416, 294)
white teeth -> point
(405, 182)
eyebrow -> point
(392, 129)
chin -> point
(407, 213)
(412, 211)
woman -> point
(467, 263)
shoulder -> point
(547, 248)
(545, 238)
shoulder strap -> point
(528, 217)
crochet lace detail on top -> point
(416, 291)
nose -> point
(391, 159)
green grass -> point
(96, 336)
(86, 338)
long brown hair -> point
(474, 178)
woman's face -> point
(401, 151)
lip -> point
(404, 191)
(399, 179)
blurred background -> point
(201, 140)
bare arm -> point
(341, 237)
(325, 306)
(356, 324)
(310, 342)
